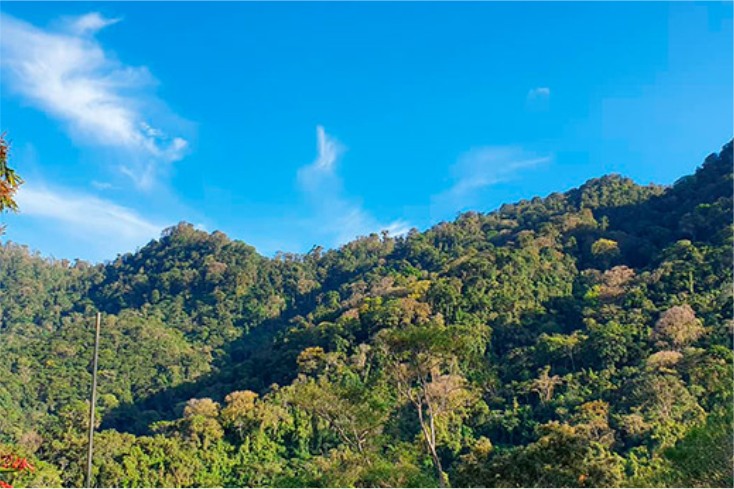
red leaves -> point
(14, 463)
(11, 463)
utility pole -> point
(93, 401)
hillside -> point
(581, 339)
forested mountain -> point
(582, 339)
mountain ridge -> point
(564, 298)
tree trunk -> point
(442, 482)
(430, 437)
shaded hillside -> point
(582, 339)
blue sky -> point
(291, 125)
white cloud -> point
(480, 168)
(102, 185)
(489, 165)
(338, 217)
(88, 24)
(398, 228)
(67, 74)
(346, 221)
(329, 150)
(88, 217)
(538, 93)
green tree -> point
(423, 364)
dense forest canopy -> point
(582, 339)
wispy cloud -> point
(67, 73)
(102, 185)
(87, 217)
(338, 217)
(88, 24)
(479, 169)
(329, 150)
(322, 171)
(538, 93)
(489, 165)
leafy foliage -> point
(582, 339)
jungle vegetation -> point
(582, 339)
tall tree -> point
(423, 363)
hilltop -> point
(581, 339)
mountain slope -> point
(582, 339)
